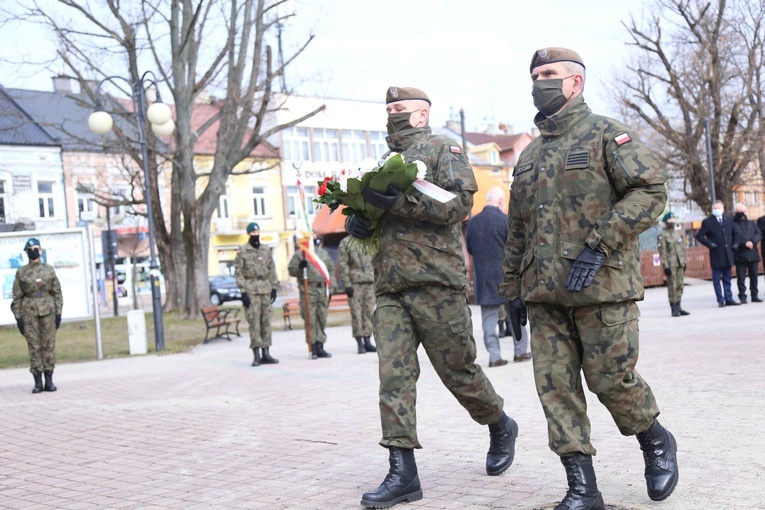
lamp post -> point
(159, 115)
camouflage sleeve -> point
(343, 265)
(515, 247)
(662, 252)
(55, 292)
(18, 297)
(272, 270)
(452, 172)
(293, 267)
(331, 269)
(639, 181)
(241, 281)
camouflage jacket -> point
(314, 275)
(420, 238)
(587, 180)
(254, 270)
(36, 291)
(672, 248)
(354, 265)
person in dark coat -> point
(746, 235)
(486, 236)
(761, 226)
(716, 233)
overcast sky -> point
(464, 54)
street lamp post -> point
(162, 124)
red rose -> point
(322, 189)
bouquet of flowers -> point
(346, 189)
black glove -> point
(349, 292)
(58, 320)
(303, 264)
(584, 268)
(273, 295)
(379, 200)
(516, 312)
(667, 271)
(20, 324)
(245, 300)
(358, 227)
(683, 269)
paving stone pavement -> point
(204, 430)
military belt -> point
(36, 295)
(320, 285)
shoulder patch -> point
(622, 139)
(455, 149)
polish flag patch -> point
(455, 149)
(622, 139)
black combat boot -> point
(267, 358)
(360, 343)
(660, 455)
(49, 386)
(401, 484)
(256, 359)
(368, 345)
(502, 329)
(38, 382)
(320, 352)
(583, 493)
(501, 446)
(675, 311)
(680, 309)
(315, 350)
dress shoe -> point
(500, 362)
(742, 300)
(721, 305)
(522, 357)
(732, 302)
(756, 299)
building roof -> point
(208, 140)
(472, 158)
(18, 127)
(505, 142)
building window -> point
(86, 206)
(121, 193)
(2, 201)
(354, 145)
(494, 157)
(223, 210)
(46, 199)
(326, 145)
(260, 201)
(293, 201)
(379, 145)
(296, 144)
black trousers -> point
(741, 271)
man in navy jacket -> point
(716, 233)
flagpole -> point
(307, 305)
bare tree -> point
(697, 60)
(195, 46)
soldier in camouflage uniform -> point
(318, 297)
(582, 192)
(256, 278)
(421, 288)
(673, 261)
(37, 303)
(358, 276)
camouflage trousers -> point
(259, 320)
(602, 342)
(40, 333)
(675, 284)
(318, 307)
(439, 319)
(362, 306)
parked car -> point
(222, 289)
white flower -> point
(421, 169)
(343, 180)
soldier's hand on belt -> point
(380, 200)
(245, 300)
(349, 292)
(667, 271)
(518, 317)
(358, 227)
(58, 320)
(584, 268)
(20, 324)
(273, 295)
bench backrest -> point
(210, 313)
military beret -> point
(667, 216)
(404, 94)
(550, 55)
(252, 227)
(32, 241)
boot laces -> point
(651, 446)
(496, 436)
(396, 465)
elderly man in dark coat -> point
(746, 236)
(716, 233)
(486, 236)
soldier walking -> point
(37, 304)
(673, 262)
(321, 286)
(421, 288)
(582, 192)
(358, 276)
(256, 278)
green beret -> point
(31, 242)
(667, 216)
(550, 55)
(252, 227)
(404, 94)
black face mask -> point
(398, 121)
(33, 254)
(739, 216)
(255, 241)
(548, 96)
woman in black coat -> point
(746, 235)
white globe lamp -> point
(158, 113)
(163, 129)
(100, 122)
